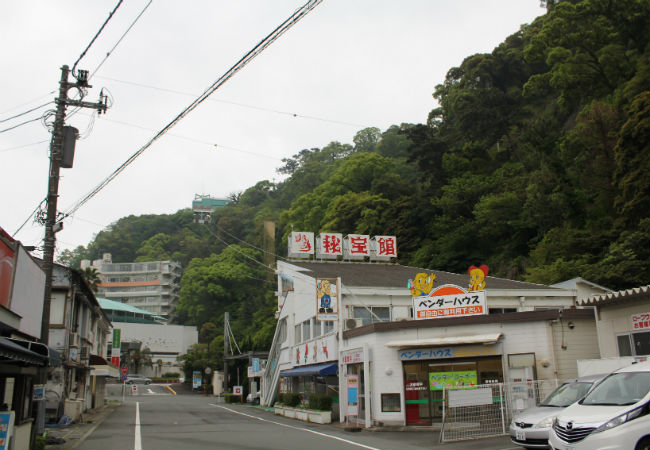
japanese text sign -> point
(301, 244)
(383, 248)
(356, 246)
(440, 380)
(449, 301)
(461, 351)
(641, 321)
(329, 245)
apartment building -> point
(153, 285)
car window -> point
(567, 394)
(623, 388)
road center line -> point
(137, 445)
(297, 428)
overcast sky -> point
(347, 65)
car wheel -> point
(643, 444)
(147, 382)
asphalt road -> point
(153, 418)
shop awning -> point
(318, 369)
(14, 352)
(490, 338)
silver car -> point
(137, 379)
(530, 428)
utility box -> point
(70, 135)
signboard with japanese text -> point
(353, 395)
(383, 248)
(641, 321)
(329, 245)
(38, 394)
(327, 299)
(449, 301)
(356, 246)
(354, 356)
(117, 345)
(440, 380)
(459, 351)
(301, 244)
(6, 428)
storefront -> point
(427, 371)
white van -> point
(614, 415)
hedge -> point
(321, 402)
(232, 398)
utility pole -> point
(226, 337)
(56, 159)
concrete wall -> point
(579, 342)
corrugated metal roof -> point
(107, 304)
(396, 275)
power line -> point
(242, 105)
(21, 146)
(27, 103)
(259, 48)
(26, 112)
(120, 39)
(21, 124)
(74, 66)
(30, 216)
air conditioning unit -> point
(74, 340)
(352, 323)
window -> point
(501, 310)
(390, 403)
(328, 326)
(317, 328)
(306, 330)
(297, 334)
(372, 314)
(634, 344)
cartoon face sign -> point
(421, 284)
(477, 277)
(324, 294)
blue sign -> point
(196, 379)
(256, 365)
(353, 395)
(6, 422)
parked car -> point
(614, 415)
(137, 379)
(530, 428)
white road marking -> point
(137, 445)
(297, 428)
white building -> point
(153, 286)
(525, 331)
(144, 330)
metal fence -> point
(486, 410)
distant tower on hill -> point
(204, 206)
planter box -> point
(306, 415)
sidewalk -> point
(71, 436)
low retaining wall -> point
(306, 415)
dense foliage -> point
(536, 162)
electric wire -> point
(251, 245)
(95, 37)
(242, 105)
(22, 146)
(120, 39)
(26, 112)
(259, 48)
(30, 216)
(21, 124)
(27, 103)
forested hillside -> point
(537, 163)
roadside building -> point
(79, 330)
(140, 330)
(204, 206)
(623, 324)
(341, 321)
(24, 362)
(153, 286)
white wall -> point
(27, 294)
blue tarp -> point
(318, 369)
